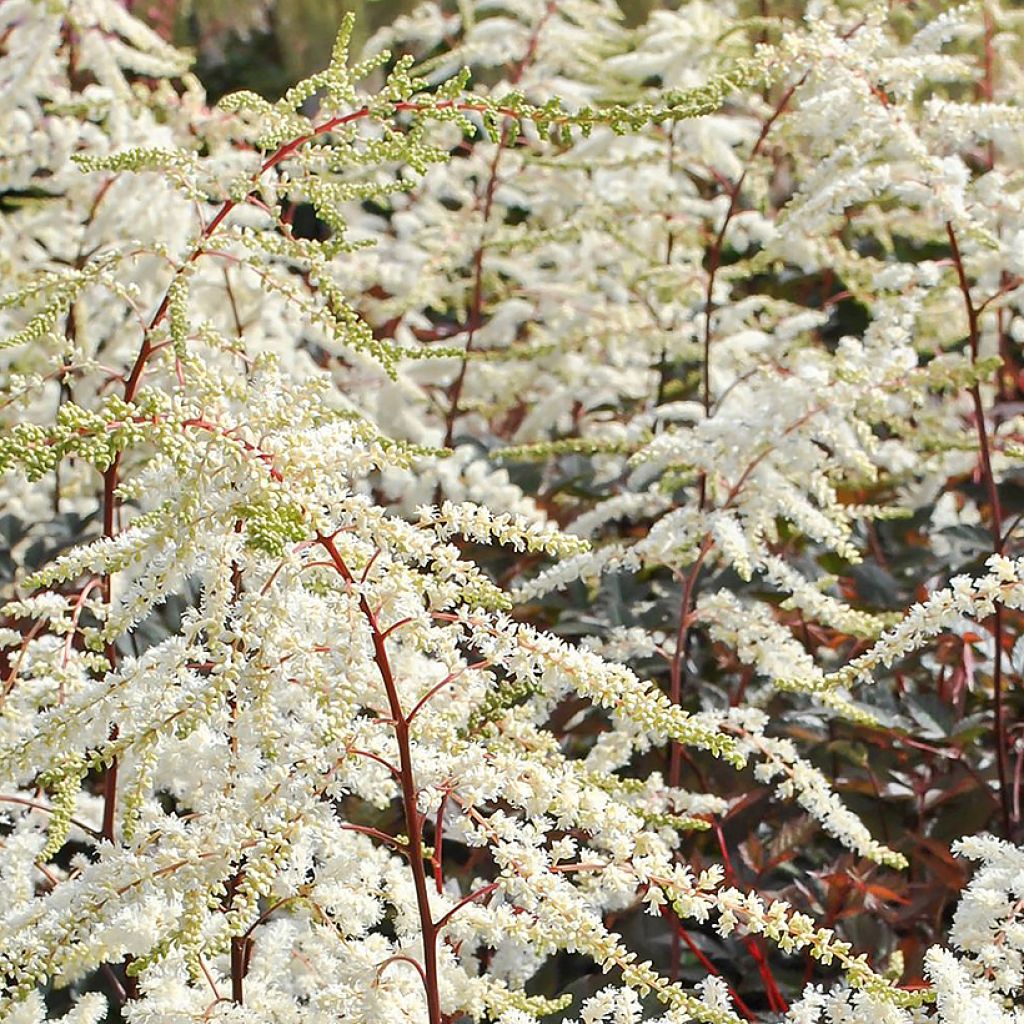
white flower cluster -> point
(273, 747)
(968, 597)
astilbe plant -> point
(284, 734)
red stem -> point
(448, 679)
(989, 480)
(376, 833)
(703, 960)
(476, 305)
(715, 252)
(776, 1001)
(437, 861)
(413, 819)
(376, 757)
(678, 664)
(677, 668)
(239, 954)
(484, 890)
(110, 510)
(110, 650)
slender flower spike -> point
(444, 506)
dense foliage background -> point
(764, 357)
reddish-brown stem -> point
(376, 757)
(714, 263)
(984, 445)
(992, 490)
(715, 252)
(375, 833)
(12, 674)
(36, 806)
(476, 304)
(369, 565)
(109, 530)
(413, 819)
(395, 626)
(681, 932)
(437, 687)
(715, 258)
(999, 725)
(1017, 774)
(107, 827)
(677, 666)
(401, 958)
(76, 615)
(437, 860)
(484, 890)
(776, 1000)
(265, 916)
(240, 946)
(677, 669)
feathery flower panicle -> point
(368, 587)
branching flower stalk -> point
(410, 792)
(325, 699)
(996, 515)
